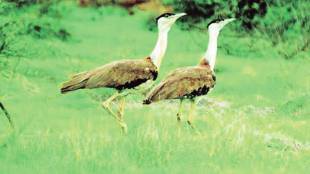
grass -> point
(256, 120)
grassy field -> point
(256, 120)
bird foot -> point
(178, 117)
(190, 124)
(124, 128)
(193, 128)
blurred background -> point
(256, 120)
(283, 23)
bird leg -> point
(190, 116)
(107, 103)
(180, 111)
(109, 110)
(6, 113)
(106, 106)
(119, 115)
(121, 121)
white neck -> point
(160, 48)
(210, 55)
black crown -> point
(164, 15)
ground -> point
(256, 120)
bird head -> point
(166, 20)
(217, 24)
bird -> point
(6, 113)
(125, 74)
(191, 82)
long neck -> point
(160, 48)
(210, 55)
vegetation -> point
(283, 22)
(256, 120)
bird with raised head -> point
(191, 82)
(125, 74)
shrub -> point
(123, 3)
(281, 21)
(198, 11)
(15, 25)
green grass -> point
(256, 120)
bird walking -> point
(190, 82)
(6, 113)
(125, 74)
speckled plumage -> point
(123, 74)
(187, 82)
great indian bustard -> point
(125, 74)
(190, 82)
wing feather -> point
(183, 82)
(119, 74)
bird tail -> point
(76, 82)
(147, 101)
(154, 95)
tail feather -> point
(153, 96)
(147, 101)
(77, 81)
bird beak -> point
(178, 15)
(172, 19)
(226, 21)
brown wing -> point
(183, 83)
(120, 75)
